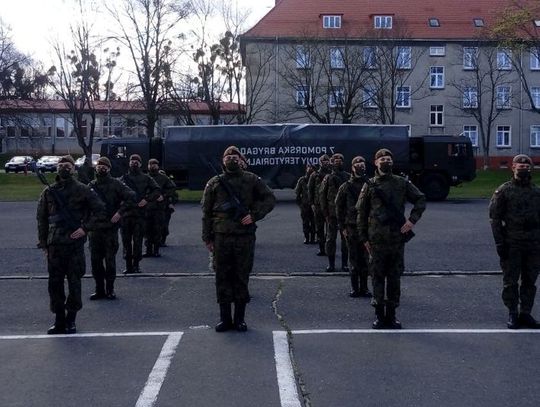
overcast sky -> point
(35, 23)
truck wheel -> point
(435, 187)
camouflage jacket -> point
(252, 192)
(301, 191)
(83, 208)
(168, 191)
(314, 185)
(116, 195)
(144, 187)
(346, 199)
(374, 221)
(329, 189)
(514, 212)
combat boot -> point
(306, 238)
(312, 238)
(59, 326)
(129, 266)
(513, 321)
(391, 321)
(71, 328)
(364, 291)
(100, 291)
(344, 265)
(355, 291)
(136, 268)
(322, 251)
(331, 264)
(109, 290)
(148, 252)
(379, 322)
(239, 315)
(528, 321)
(225, 317)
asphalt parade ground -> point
(308, 343)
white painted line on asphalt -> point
(415, 331)
(288, 394)
(152, 387)
(88, 335)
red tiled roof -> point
(296, 18)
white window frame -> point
(470, 97)
(534, 57)
(303, 60)
(535, 96)
(437, 51)
(504, 132)
(303, 93)
(337, 60)
(504, 59)
(336, 96)
(436, 115)
(369, 100)
(504, 97)
(332, 21)
(382, 22)
(403, 97)
(436, 77)
(470, 58)
(471, 131)
(403, 57)
(535, 135)
(369, 55)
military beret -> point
(358, 159)
(324, 157)
(232, 150)
(66, 159)
(337, 156)
(522, 159)
(135, 157)
(383, 152)
(104, 161)
(153, 161)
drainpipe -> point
(276, 82)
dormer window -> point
(332, 21)
(478, 22)
(384, 22)
(434, 22)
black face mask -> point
(337, 167)
(102, 173)
(359, 172)
(134, 168)
(523, 174)
(154, 171)
(385, 168)
(64, 173)
(232, 166)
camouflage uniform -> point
(104, 239)
(65, 256)
(169, 210)
(314, 184)
(514, 213)
(306, 212)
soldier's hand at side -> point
(160, 198)
(210, 246)
(142, 203)
(115, 218)
(368, 248)
(345, 233)
(247, 220)
(407, 227)
(78, 234)
(502, 251)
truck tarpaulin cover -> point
(279, 153)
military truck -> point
(279, 152)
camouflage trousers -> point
(358, 256)
(132, 231)
(308, 220)
(331, 239)
(523, 263)
(319, 224)
(65, 262)
(233, 262)
(386, 267)
(103, 248)
(153, 227)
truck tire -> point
(435, 187)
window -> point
(60, 127)
(403, 60)
(503, 136)
(436, 115)
(438, 51)
(535, 58)
(478, 22)
(403, 96)
(370, 57)
(436, 77)
(9, 126)
(503, 97)
(470, 55)
(331, 21)
(302, 58)
(504, 60)
(383, 22)
(535, 136)
(370, 97)
(336, 96)
(302, 96)
(336, 58)
(472, 133)
(434, 22)
(470, 98)
(535, 96)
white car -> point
(80, 161)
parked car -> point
(47, 163)
(19, 163)
(80, 161)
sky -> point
(35, 24)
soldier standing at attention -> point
(514, 213)
(346, 199)
(132, 222)
(383, 229)
(104, 238)
(314, 184)
(329, 189)
(66, 211)
(302, 200)
(232, 202)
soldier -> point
(383, 229)
(169, 210)
(232, 202)
(66, 211)
(302, 200)
(329, 189)
(133, 221)
(346, 199)
(514, 213)
(314, 184)
(155, 212)
(104, 239)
